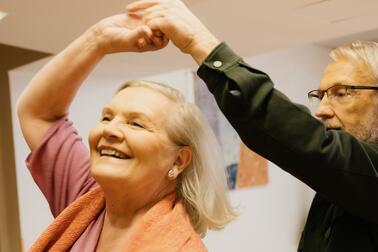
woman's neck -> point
(123, 210)
(119, 220)
(115, 231)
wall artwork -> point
(244, 167)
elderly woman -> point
(152, 179)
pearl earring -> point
(171, 174)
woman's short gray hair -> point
(202, 186)
(360, 51)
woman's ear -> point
(183, 159)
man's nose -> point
(324, 109)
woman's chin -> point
(109, 172)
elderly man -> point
(337, 156)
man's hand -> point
(126, 33)
(175, 21)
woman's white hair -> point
(360, 51)
(202, 186)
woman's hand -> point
(178, 23)
(126, 33)
(51, 91)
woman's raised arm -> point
(51, 91)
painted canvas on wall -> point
(244, 167)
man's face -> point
(357, 115)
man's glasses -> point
(338, 93)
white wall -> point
(272, 216)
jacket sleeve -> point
(333, 163)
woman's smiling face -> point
(130, 145)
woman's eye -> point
(135, 124)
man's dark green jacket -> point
(340, 168)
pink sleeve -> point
(60, 165)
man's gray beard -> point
(367, 133)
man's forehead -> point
(343, 71)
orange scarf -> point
(165, 227)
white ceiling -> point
(249, 26)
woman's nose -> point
(111, 131)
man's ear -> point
(183, 159)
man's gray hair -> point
(360, 51)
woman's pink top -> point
(60, 166)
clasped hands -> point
(149, 25)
